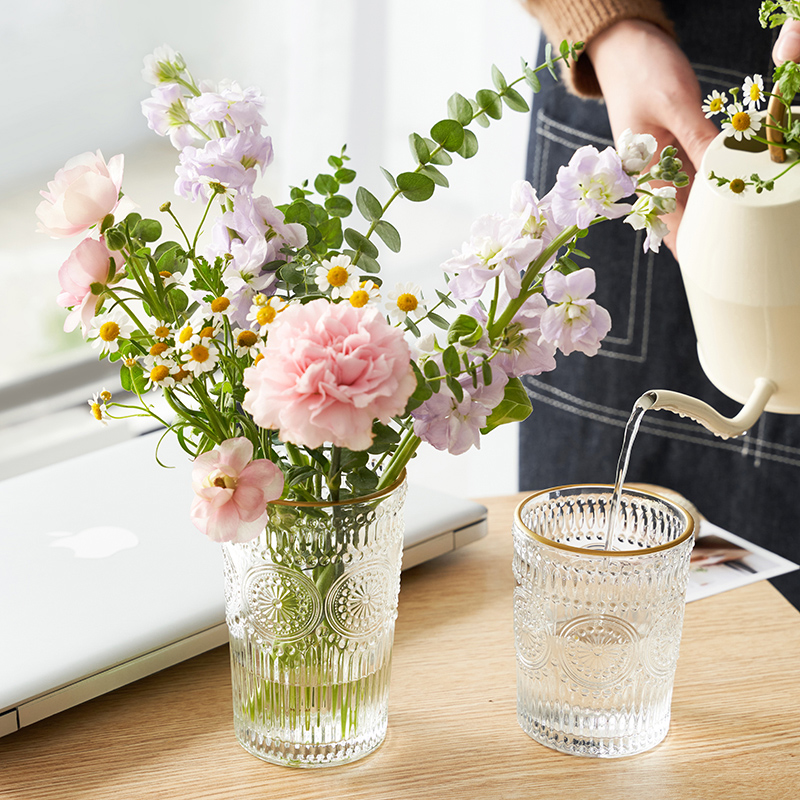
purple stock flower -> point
(573, 322)
(447, 424)
(496, 247)
(590, 186)
(230, 162)
(167, 114)
(239, 109)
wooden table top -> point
(452, 722)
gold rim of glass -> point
(603, 488)
(351, 501)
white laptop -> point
(104, 579)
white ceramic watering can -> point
(739, 255)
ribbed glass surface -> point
(597, 636)
(311, 606)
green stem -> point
(408, 446)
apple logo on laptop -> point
(100, 542)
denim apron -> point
(749, 485)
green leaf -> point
(368, 264)
(369, 205)
(331, 232)
(148, 230)
(298, 474)
(455, 387)
(384, 437)
(419, 148)
(446, 299)
(515, 101)
(448, 133)
(514, 407)
(335, 162)
(563, 48)
(389, 235)
(459, 109)
(451, 361)
(435, 175)
(415, 187)
(362, 481)
(470, 146)
(412, 326)
(531, 78)
(290, 275)
(339, 206)
(439, 322)
(360, 242)
(132, 220)
(389, 177)
(298, 212)
(465, 330)
(345, 175)
(422, 393)
(431, 370)
(498, 79)
(442, 158)
(326, 184)
(548, 60)
(490, 102)
(480, 118)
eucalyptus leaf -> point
(389, 235)
(331, 232)
(389, 177)
(368, 264)
(435, 175)
(360, 242)
(498, 79)
(448, 133)
(369, 205)
(419, 148)
(415, 187)
(455, 387)
(345, 175)
(438, 321)
(339, 206)
(470, 145)
(326, 184)
(446, 299)
(515, 101)
(439, 156)
(451, 361)
(490, 103)
(459, 109)
(412, 326)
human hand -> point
(787, 45)
(650, 87)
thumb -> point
(787, 46)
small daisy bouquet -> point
(742, 117)
(289, 368)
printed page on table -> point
(723, 561)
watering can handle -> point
(775, 113)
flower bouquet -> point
(302, 385)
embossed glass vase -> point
(598, 631)
(311, 605)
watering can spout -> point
(685, 406)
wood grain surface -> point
(452, 726)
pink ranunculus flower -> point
(89, 263)
(82, 193)
(329, 370)
(232, 491)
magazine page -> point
(722, 561)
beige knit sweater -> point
(580, 20)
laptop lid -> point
(104, 579)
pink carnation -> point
(81, 195)
(89, 263)
(329, 370)
(232, 491)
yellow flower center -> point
(407, 302)
(185, 334)
(265, 315)
(737, 186)
(97, 411)
(207, 332)
(259, 357)
(337, 276)
(199, 353)
(181, 375)
(129, 361)
(359, 298)
(105, 395)
(755, 92)
(715, 105)
(740, 121)
(109, 331)
(165, 273)
(161, 332)
(158, 373)
(246, 339)
(220, 304)
(159, 348)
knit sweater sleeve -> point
(581, 20)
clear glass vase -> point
(311, 605)
(598, 630)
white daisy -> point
(714, 103)
(159, 376)
(367, 292)
(753, 91)
(159, 329)
(741, 122)
(201, 357)
(245, 342)
(98, 408)
(338, 275)
(405, 299)
(159, 353)
(262, 312)
(220, 307)
(108, 329)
